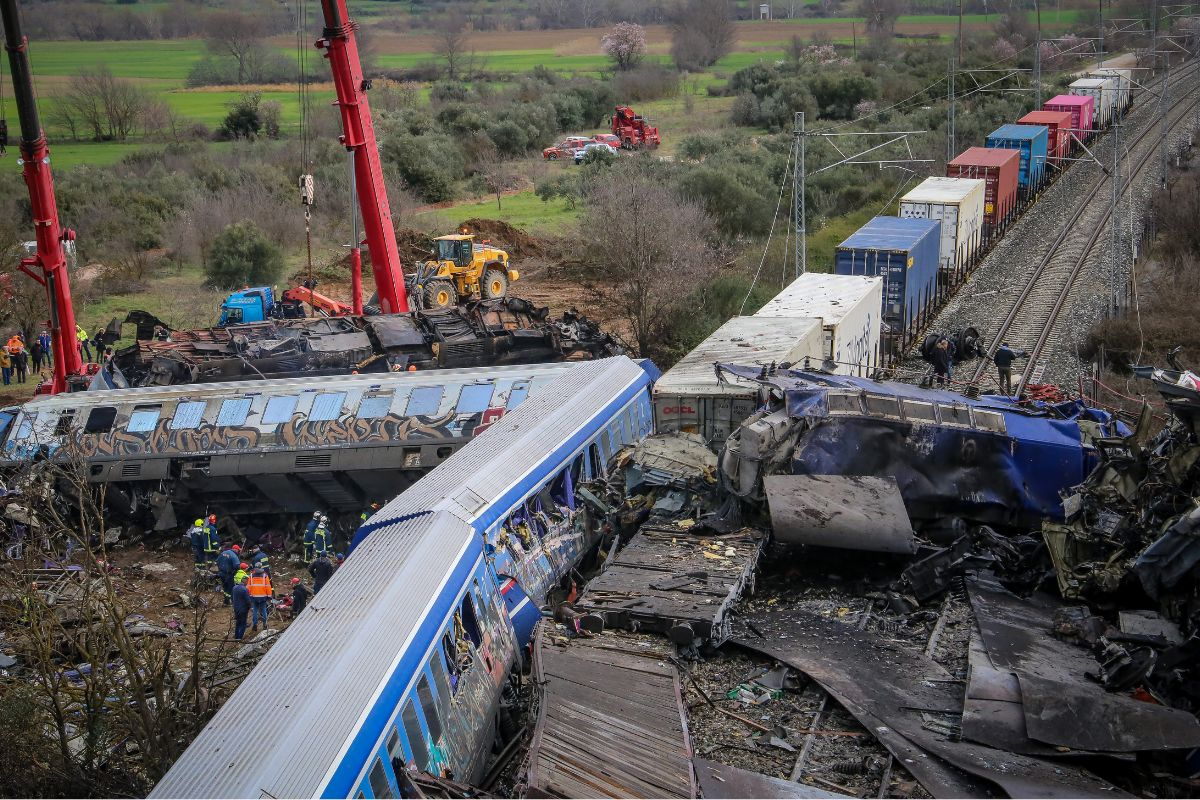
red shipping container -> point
(999, 169)
(1082, 110)
(1058, 123)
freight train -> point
(402, 659)
(946, 224)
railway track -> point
(1033, 317)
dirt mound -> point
(413, 245)
(517, 242)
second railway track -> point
(1033, 317)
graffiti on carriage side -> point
(298, 432)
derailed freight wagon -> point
(849, 309)
(905, 253)
(285, 445)
(958, 204)
(1031, 141)
(999, 170)
(987, 461)
(691, 397)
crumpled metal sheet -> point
(883, 686)
(853, 512)
(719, 781)
(1061, 706)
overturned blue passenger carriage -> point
(986, 461)
(401, 660)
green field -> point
(523, 209)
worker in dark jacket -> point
(310, 537)
(300, 595)
(212, 539)
(241, 608)
(1004, 358)
(227, 567)
(197, 536)
(322, 540)
(942, 360)
(260, 560)
(321, 570)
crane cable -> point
(302, 98)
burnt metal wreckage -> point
(483, 333)
(1064, 538)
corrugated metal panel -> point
(1104, 91)
(999, 168)
(905, 253)
(849, 307)
(958, 203)
(1058, 124)
(519, 442)
(1082, 110)
(743, 340)
(1031, 141)
(283, 728)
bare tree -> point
(237, 34)
(497, 173)
(881, 16)
(101, 104)
(452, 34)
(625, 44)
(703, 33)
(651, 252)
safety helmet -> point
(324, 518)
(243, 565)
(339, 555)
(295, 581)
(237, 548)
(375, 506)
(324, 553)
(316, 515)
(199, 523)
(212, 517)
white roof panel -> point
(951, 191)
(818, 294)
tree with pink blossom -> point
(625, 44)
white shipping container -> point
(958, 203)
(1124, 84)
(690, 398)
(1105, 92)
(850, 308)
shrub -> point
(241, 255)
(648, 82)
(430, 164)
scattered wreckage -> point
(486, 333)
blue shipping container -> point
(1032, 141)
(905, 252)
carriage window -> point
(956, 414)
(470, 621)
(327, 406)
(143, 418)
(279, 409)
(438, 667)
(374, 406)
(396, 752)
(594, 462)
(606, 444)
(883, 405)
(424, 400)
(425, 694)
(63, 426)
(416, 739)
(475, 398)
(989, 421)
(379, 782)
(25, 427)
(843, 403)
(918, 411)
(188, 414)
(100, 420)
(234, 411)
(518, 393)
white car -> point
(591, 146)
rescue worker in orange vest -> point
(261, 592)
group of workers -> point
(942, 359)
(245, 576)
(17, 359)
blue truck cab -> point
(247, 305)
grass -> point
(175, 294)
(523, 209)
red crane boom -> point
(51, 258)
(359, 138)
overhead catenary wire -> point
(787, 171)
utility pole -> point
(1037, 57)
(950, 146)
(798, 207)
(1114, 271)
(960, 23)
(1100, 33)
